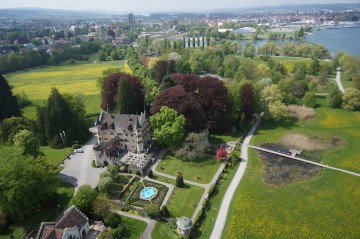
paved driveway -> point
(78, 170)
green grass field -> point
(48, 213)
(201, 171)
(324, 207)
(136, 227)
(79, 78)
(54, 156)
(345, 81)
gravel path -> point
(338, 80)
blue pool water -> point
(148, 192)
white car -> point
(78, 150)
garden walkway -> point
(150, 223)
(303, 160)
(205, 186)
(338, 80)
(225, 204)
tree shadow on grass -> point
(288, 123)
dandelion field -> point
(327, 206)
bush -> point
(180, 181)
(105, 174)
(84, 198)
(310, 99)
(112, 220)
(165, 211)
(152, 209)
(113, 169)
(105, 184)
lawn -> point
(164, 230)
(346, 82)
(55, 156)
(47, 214)
(202, 170)
(228, 137)
(183, 201)
(211, 214)
(325, 206)
(78, 78)
(136, 227)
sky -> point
(155, 5)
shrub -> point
(152, 209)
(105, 174)
(179, 181)
(84, 198)
(105, 184)
(112, 220)
(113, 169)
(165, 211)
(310, 99)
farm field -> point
(201, 171)
(324, 206)
(78, 78)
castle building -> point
(119, 133)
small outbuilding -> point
(184, 226)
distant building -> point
(72, 224)
(131, 19)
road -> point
(338, 80)
(150, 223)
(304, 160)
(78, 170)
(224, 208)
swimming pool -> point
(148, 193)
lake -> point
(344, 39)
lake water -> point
(344, 39)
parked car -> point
(78, 150)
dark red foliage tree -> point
(203, 102)
(163, 68)
(248, 101)
(110, 92)
(221, 153)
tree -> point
(110, 93)
(112, 220)
(25, 183)
(27, 142)
(152, 209)
(193, 146)
(299, 71)
(54, 60)
(168, 126)
(126, 102)
(179, 181)
(102, 55)
(105, 184)
(84, 198)
(3, 221)
(165, 212)
(334, 98)
(11, 126)
(314, 67)
(101, 207)
(310, 99)
(9, 105)
(247, 101)
(271, 98)
(249, 50)
(351, 99)
(221, 154)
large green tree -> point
(168, 126)
(334, 98)
(271, 98)
(9, 105)
(126, 101)
(25, 182)
(11, 126)
(351, 99)
(84, 198)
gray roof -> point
(128, 121)
(184, 223)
